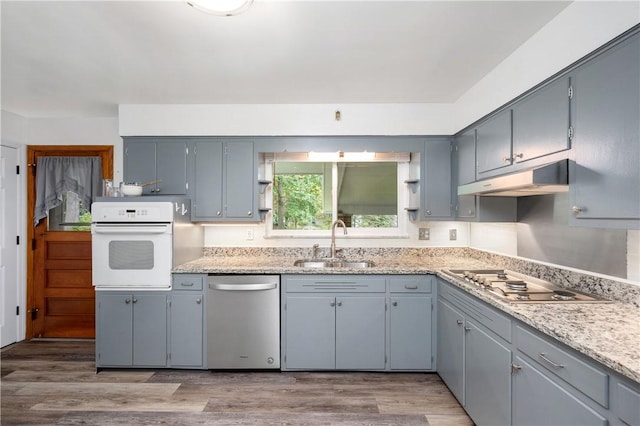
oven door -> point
(131, 256)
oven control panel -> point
(132, 212)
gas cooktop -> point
(518, 288)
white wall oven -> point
(132, 245)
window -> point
(307, 196)
(71, 215)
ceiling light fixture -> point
(221, 7)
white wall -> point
(286, 120)
(78, 131)
(235, 235)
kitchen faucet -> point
(333, 235)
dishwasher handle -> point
(242, 287)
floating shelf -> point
(263, 212)
(413, 212)
(412, 184)
(263, 185)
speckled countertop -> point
(608, 333)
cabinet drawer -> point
(489, 317)
(410, 285)
(335, 284)
(587, 379)
(628, 403)
(188, 282)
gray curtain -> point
(57, 175)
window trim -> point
(401, 231)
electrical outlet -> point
(250, 234)
(423, 234)
(453, 234)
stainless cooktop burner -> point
(519, 288)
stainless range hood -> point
(547, 179)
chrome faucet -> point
(333, 235)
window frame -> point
(403, 196)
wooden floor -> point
(55, 382)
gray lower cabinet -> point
(131, 329)
(553, 386)
(356, 322)
(503, 371)
(410, 323)
(224, 181)
(333, 322)
(474, 355)
(605, 176)
(187, 322)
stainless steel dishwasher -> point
(243, 321)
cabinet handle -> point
(410, 287)
(339, 303)
(515, 368)
(459, 322)
(394, 303)
(577, 209)
(127, 301)
(186, 284)
(428, 212)
(470, 212)
(544, 358)
(135, 300)
(520, 155)
(218, 213)
(249, 213)
(332, 304)
(198, 301)
(506, 159)
(467, 328)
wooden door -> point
(60, 295)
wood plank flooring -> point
(48, 382)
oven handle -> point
(243, 287)
(135, 229)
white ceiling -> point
(83, 58)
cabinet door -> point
(437, 179)
(537, 400)
(451, 348)
(187, 337)
(114, 335)
(171, 168)
(149, 330)
(410, 333)
(240, 181)
(541, 122)
(310, 332)
(487, 377)
(207, 183)
(466, 172)
(140, 163)
(493, 143)
(606, 115)
(360, 333)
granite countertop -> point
(608, 333)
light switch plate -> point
(424, 234)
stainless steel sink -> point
(333, 263)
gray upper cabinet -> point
(472, 207)
(437, 180)
(605, 176)
(148, 159)
(224, 181)
(541, 123)
(464, 155)
(493, 143)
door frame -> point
(33, 151)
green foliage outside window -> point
(297, 202)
